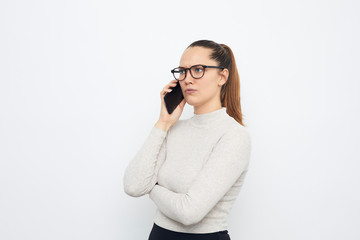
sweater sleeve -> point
(228, 159)
(141, 173)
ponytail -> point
(230, 91)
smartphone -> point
(173, 99)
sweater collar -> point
(208, 119)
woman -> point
(193, 169)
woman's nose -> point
(188, 78)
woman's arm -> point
(141, 173)
(229, 158)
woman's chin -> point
(190, 101)
(193, 103)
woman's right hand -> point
(166, 120)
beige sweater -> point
(199, 164)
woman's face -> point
(208, 87)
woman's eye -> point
(181, 71)
(198, 69)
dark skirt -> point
(159, 233)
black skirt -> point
(159, 233)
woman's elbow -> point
(132, 186)
(133, 191)
(136, 189)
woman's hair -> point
(230, 91)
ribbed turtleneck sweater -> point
(199, 166)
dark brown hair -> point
(230, 91)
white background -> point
(79, 94)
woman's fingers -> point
(167, 87)
(164, 91)
(171, 84)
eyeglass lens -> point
(195, 71)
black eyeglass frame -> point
(204, 66)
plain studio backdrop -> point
(80, 86)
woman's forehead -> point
(196, 55)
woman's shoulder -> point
(178, 126)
(236, 130)
(232, 125)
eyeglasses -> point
(196, 71)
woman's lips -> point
(190, 91)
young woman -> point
(193, 169)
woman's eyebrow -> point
(190, 66)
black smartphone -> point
(173, 99)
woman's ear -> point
(224, 75)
